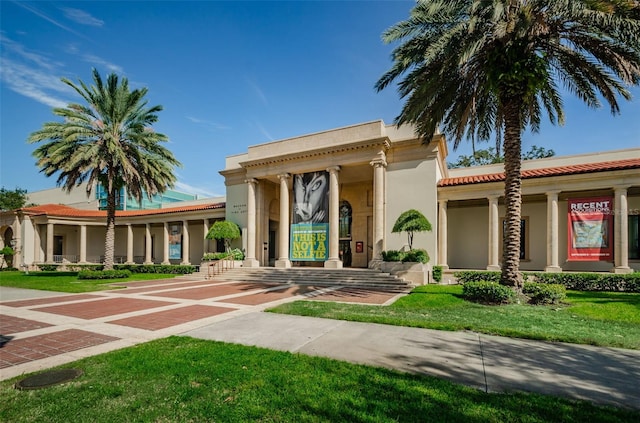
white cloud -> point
(264, 131)
(32, 83)
(42, 15)
(98, 61)
(82, 17)
(208, 123)
(258, 91)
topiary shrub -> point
(415, 256)
(103, 274)
(486, 292)
(437, 273)
(544, 293)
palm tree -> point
(477, 68)
(108, 141)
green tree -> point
(410, 222)
(12, 200)
(109, 141)
(473, 68)
(225, 230)
(490, 156)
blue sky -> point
(229, 75)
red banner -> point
(590, 229)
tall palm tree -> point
(481, 68)
(108, 141)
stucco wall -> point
(412, 185)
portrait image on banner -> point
(590, 227)
(310, 223)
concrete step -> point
(361, 278)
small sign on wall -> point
(359, 247)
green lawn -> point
(599, 318)
(68, 281)
(180, 379)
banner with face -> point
(310, 227)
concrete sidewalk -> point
(490, 363)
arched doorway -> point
(345, 221)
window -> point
(634, 236)
(524, 237)
(345, 220)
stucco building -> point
(331, 198)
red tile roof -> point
(545, 172)
(66, 211)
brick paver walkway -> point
(58, 329)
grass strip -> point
(610, 319)
(180, 379)
(69, 282)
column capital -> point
(333, 169)
(553, 192)
(251, 181)
(493, 198)
(621, 188)
(284, 176)
(380, 160)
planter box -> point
(416, 273)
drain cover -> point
(50, 378)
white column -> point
(147, 244)
(283, 241)
(442, 234)
(334, 261)
(621, 232)
(83, 243)
(165, 243)
(185, 242)
(49, 257)
(494, 234)
(205, 242)
(250, 258)
(379, 165)
(552, 233)
(129, 243)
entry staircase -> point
(355, 278)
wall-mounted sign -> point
(590, 228)
(359, 246)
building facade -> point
(331, 199)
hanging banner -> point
(590, 229)
(175, 242)
(310, 223)
(309, 241)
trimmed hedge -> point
(103, 274)
(544, 293)
(488, 292)
(171, 269)
(574, 281)
(416, 255)
(182, 269)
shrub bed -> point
(544, 293)
(574, 281)
(236, 252)
(488, 292)
(416, 255)
(103, 274)
(172, 269)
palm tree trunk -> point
(109, 239)
(513, 196)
